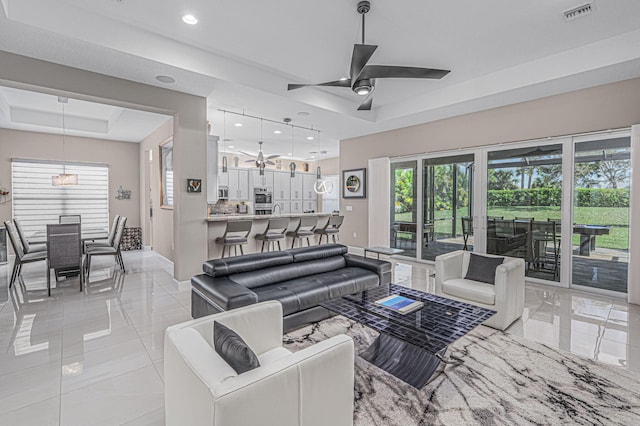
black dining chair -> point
(27, 246)
(21, 257)
(112, 250)
(64, 251)
(467, 229)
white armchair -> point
(313, 386)
(506, 296)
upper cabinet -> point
(265, 181)
(308, 181)
(238, 182)
(281, 186)
(296, 187)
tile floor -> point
(96, 357)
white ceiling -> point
(242, 54)
(39, 112)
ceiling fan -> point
(261, 160)
(362, 78)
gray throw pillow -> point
(230, 346)
(483, 268)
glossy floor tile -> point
(96, 356)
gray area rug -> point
(505, 380)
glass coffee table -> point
(413, 346)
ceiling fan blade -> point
(250, 161)
(390, 71)
(337, 83)
(359, 58)
(272, 156)
(247, 154)
(366, 104)
(269, 162)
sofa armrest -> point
(448, 266)
(380, 267)
(223, 292)
(300, 386)
(509, 283)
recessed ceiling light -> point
(289, 153)
(309, 138)
(190, 19)
(313, 156)
(303, 113)
(238, 124)
(344, 79)
(165, 79)
(277, 132)
(231, 146)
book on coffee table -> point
(400, 304)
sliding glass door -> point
(447, 205)
(524, 207)
(602, 173)
(404, 211)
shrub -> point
(586, 197)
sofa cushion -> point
(278, 274)
(246, 263)
(483, 268)
(287, 298)
(235, 351)
(473, 291)
(304, 254)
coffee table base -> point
(405, 361)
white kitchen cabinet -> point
(258, 181)
(296, 206)
(285, 207)
(238, 184)
(296, 187)
(308, 181)
(309, 206)
(281, 186)
(223, 179)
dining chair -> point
(64, 251)
(467, 229)
(28, 247)
(108, 242)
(69, 218)
(546, 247)
(112, 250)
(21, 257)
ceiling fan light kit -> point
(362, 77)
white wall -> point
(122, 158)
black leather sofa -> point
(299, 278)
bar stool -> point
(235, 235)
(304, 229)
(275, 232)
(331, 228)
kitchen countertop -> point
(228, 217)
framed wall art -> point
(354, 183)
(194, 185)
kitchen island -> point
(217, 224)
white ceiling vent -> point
(579, 12)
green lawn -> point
(617, 218)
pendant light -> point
(318, 171)
(224, 143)
(64, 179)
(262, 163)
(292, 164)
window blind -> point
(36, 202)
